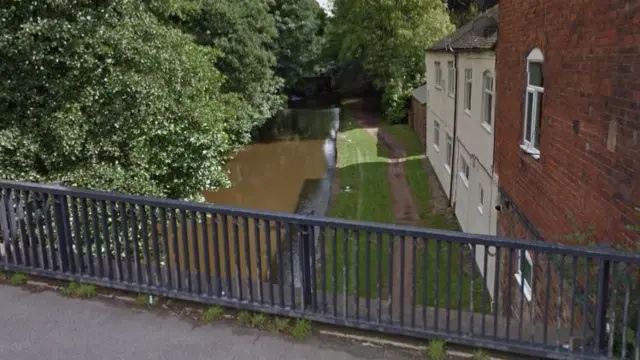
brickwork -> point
(589, 167)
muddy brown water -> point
(287, 170)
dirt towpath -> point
(405, 210)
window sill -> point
(480, 210)
(448, 168)
(468, 112)
(453, 96)
(436, 147)
(438, 87)
(526, 289)
(535, 153)
(464, 180)
(486, 126)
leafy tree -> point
(104, 95)
(389, 37)
(300, 27)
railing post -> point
(61, 224)
(306, 242)
(602, 305)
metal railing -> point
(568, 302)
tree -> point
(104, 95)
(389, 37)
(300, 28)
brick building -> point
(567, 130)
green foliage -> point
(395, 100)
(212, 314)
(465, 14)
(104, 95)
(82, 291)
(300, 28)
(142, 299)
(258, 320)
(18, 279)
(244, 317)
(481, 355)
(436, 350)
(281, 325)
(389, 38)
(301, 329)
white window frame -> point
(464, 171)
(487, 99)
(451, 79)
(436, 135)
(449, 154)
(481, 199)
(438, 71)
(468, 90)
(535, 56)
(526, 288)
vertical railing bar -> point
(196, 254)
(401, 267)
(258, 240)
(559, 302)
(391, 256)
(379, 274)
(496, 293)
(154, 242)
(185, 264)
(87, 237)
(164, 228)
(146, 256)
(77, 236)
(116, 240)
(425, 280)
(510, 290)
(48, 199)
(356, 261)
(313, 267)
(217, 260)
(625, 319)
(22, 208)
(460, 279)
(135, 243)
(586, 301)
(603, 285)
(414, 270)
(290, 234)
(41, 206)
(227, 251)
(247, 257)
(125, 238)
(448, 297)
(334, 272)
(106, 238)
(323, 267)
(7, 237)
(485, 288)
(613, 310)
(521, 294)
(280, 262)
(545, 328)
(472, 288)
(208, 264)
(637, 355)
(367, 275)
(574, 286)
(177, 271)
(267, 227)
(436, 290)
(236, 248)
(33, 240)
(345, 273)
(13, 222)
(533, 294)
(300, 238)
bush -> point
(395, 101)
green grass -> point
(17, 279)
(481, 355)
(212, 314)
(77, 290)
(259, 320)
(142, 299)
(244, 317)
(301, 329)
(436, 350)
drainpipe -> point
(452, 203)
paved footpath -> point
(45, 325)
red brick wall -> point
(592, 85)
(418, 120)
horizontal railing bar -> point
(516, 347)
(603, 253)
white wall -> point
(440, 107)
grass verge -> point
(82, 291)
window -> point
(436, 135)
(464, 171)
(533, 104)
(449, 152)
(451, 78)
(438, 75)
(525, 273)
(468, 85)
(487, 98)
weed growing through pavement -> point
(18, 279)
(214, 313)
(436, 350)
(82, 291)
(301, 329)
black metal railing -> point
(533, 298)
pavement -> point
(46, 325)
